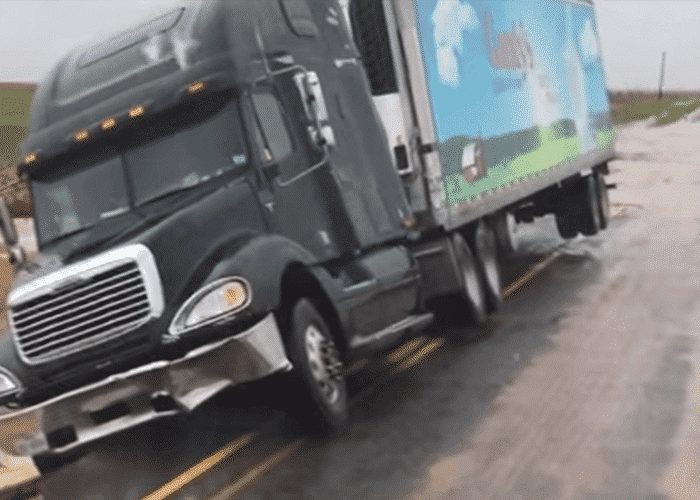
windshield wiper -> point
(145, 221)
(170, 193)
(115, 215)
(71, 233)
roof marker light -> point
(109, 124)
(196, 87)
(31, 158)
(81, 135)
(137, 111)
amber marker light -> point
(109, 124)
(235, 294)
(409, 222)
(31, 158)
(81, 135)
(137, 111)
(196, 87)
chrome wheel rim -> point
(325, 364)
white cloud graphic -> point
(451, 19)
(589, 43)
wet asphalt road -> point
(585, 385)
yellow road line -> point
(627, 205)
(249, 478)
(392, 358)
(197, 470)
(421, 354)
(404, 350)
(531, 273)
(408, 355)
(201, 468)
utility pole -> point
(663, 75)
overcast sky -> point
(35, 33)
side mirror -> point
(311, 92)
(9, 234)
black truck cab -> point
(217, 200)
(206, 210)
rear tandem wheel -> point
(469, 304)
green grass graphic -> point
(605, 138)
(552, 151)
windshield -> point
(79, 199)
(165, 157)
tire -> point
(320, 395)
(469, 305)
(590, 208)
(567, 224)
(578, 210)
(504, 226)
(485, 245)
(603, 200)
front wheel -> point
(321, 400)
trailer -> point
(238, 189)
(486, 102)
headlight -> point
(8, 384)
(212, 304)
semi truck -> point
(236, 190)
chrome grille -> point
(80, 314)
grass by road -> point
(6, 275)
(15, 100)
(631, 107)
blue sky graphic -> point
(489, 102)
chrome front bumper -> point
(134, 397)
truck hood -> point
(185, 237)
(187, 243)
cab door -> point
(301, 199)
(298, 191)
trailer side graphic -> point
(514, 91)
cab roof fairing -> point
(150, 65)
